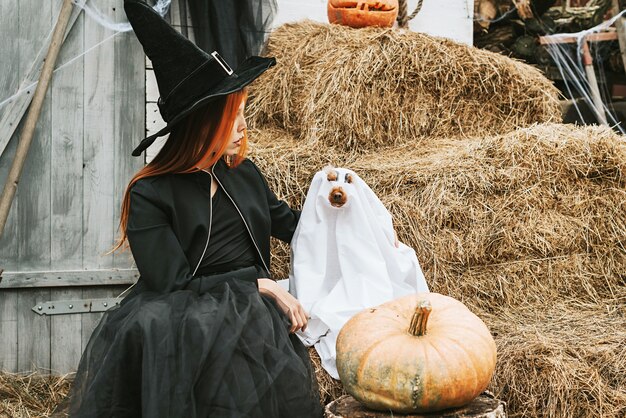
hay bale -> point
(562, 359)
(368, 88)
(539, 212)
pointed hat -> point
(187, 76)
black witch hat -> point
(187, 76)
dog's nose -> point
(337, 197)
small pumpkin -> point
(420, 353)
(361, 13)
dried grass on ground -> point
(367, 88)
(31, 395)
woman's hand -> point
(286, 302)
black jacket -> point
(168, 221)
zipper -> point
(243, 219)
(210, 224)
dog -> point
(345, 258)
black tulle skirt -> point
(223, 351)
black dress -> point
(215, 349)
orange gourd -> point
(420, 353)
(361, 13)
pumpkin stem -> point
(420, 318)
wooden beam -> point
(610, 35)
(68, 278)
(593, 84)
(620, 24)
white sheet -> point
(344, 260)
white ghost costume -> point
(344, 260)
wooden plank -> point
(15, 109)
(130, 124)
(33, 332)
(154, 120)
(68, 278)
(180, 18)
(9, 73)
(174, 13)
(33, 195)
(9, 81)
(620, 24)
(65, 336)
(191, 33)
(168, 15)
(182, 8)
(99, 162)
(8, 330)
(8, 243)
(154, 124)
(152, 88)
(594, 37)
(66, 158)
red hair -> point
(194, 144)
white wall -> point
(447, 18)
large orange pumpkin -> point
(361, 13)
(420, 353)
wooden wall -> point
(65, 214)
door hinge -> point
(61, 307)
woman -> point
(204, 332)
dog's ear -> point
(331, 173)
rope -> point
(403, 19)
